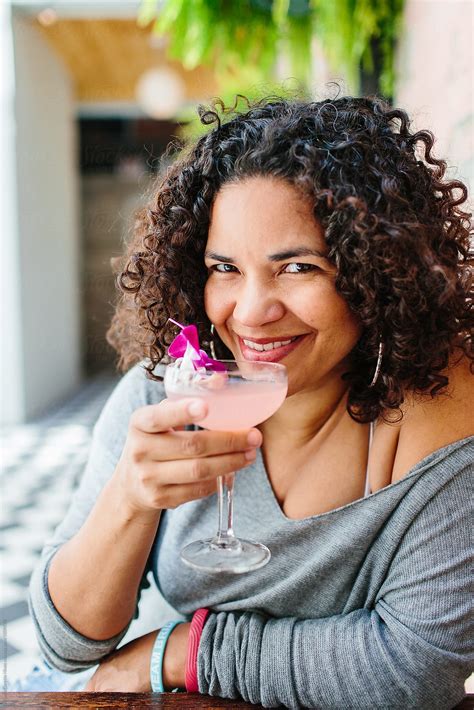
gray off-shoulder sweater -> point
(366, 606)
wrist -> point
(174, 661)
(124, 508)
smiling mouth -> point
(269, 351)
(261, 347)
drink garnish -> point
(185, 347)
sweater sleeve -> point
(62, 646)
(413, 649)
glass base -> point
(232, 555)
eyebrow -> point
(278, 256)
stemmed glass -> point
(246, 394)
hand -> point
(128, 669)
(161, 468)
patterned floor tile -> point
(21, 634)
(13, 565)
(12, 592)
(41, 463)
(7, 649)
(19, 665)
(23, 581)
(11, 612)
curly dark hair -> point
(394, 229)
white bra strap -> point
(367, 482)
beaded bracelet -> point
(156, 663)
(195, 633)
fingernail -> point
(254, 438)
(250, 454)
(197, 408)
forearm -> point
(94, 578)
(358, 660)
(174, 660)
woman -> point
(323, 225)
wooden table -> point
(137, 701)
(117, 701)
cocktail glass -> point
(245, 395)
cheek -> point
(216, 303)
(219, 308)
(343, 325)
(328, 313)
(321, 305)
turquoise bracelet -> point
(156, 663)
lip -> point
(274, 355)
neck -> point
(309, 416)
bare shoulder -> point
(429, 423)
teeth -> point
(267, 346)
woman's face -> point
(270, 282)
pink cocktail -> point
(237, 405)
(245, 395)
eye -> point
(222, 268)
(300, 268)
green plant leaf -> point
(242, 38)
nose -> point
(256, 304)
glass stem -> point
(225, 535)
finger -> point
(174, 496)
(175, 445)
(155, 418)
(203, 470)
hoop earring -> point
(378, 365)
(211, 343)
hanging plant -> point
(348, 31)
(242, 39)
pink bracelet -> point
(195, 633)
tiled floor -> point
(40, 465)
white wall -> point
(11, 394)
(436, 78)
(43, 234)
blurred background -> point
(91, 96)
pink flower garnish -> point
(188, 341)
